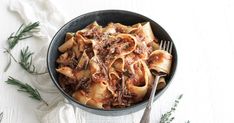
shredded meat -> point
(83, 84)
(93, 33)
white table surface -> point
(203, 32)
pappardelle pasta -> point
(110, 67)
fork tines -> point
(166, 45)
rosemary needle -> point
(24, 31)
(24, 87)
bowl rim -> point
(66, 95)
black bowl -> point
(103, 18)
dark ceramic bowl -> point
(103, 18)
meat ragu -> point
(110, 67)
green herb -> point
(24, 87)
(166, 118)
(26, 61)
(25, 31)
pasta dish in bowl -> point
(108, 67)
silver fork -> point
(166, 46)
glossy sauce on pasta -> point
(110, 67)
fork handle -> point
(146, 116)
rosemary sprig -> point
(166, 118)
(25, 31)
(26, 61)
(24, 87)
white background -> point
(203, 32)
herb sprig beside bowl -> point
(24, 87)
(26, 62)
(166, 118)
(25, 31)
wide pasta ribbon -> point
(141, 81)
